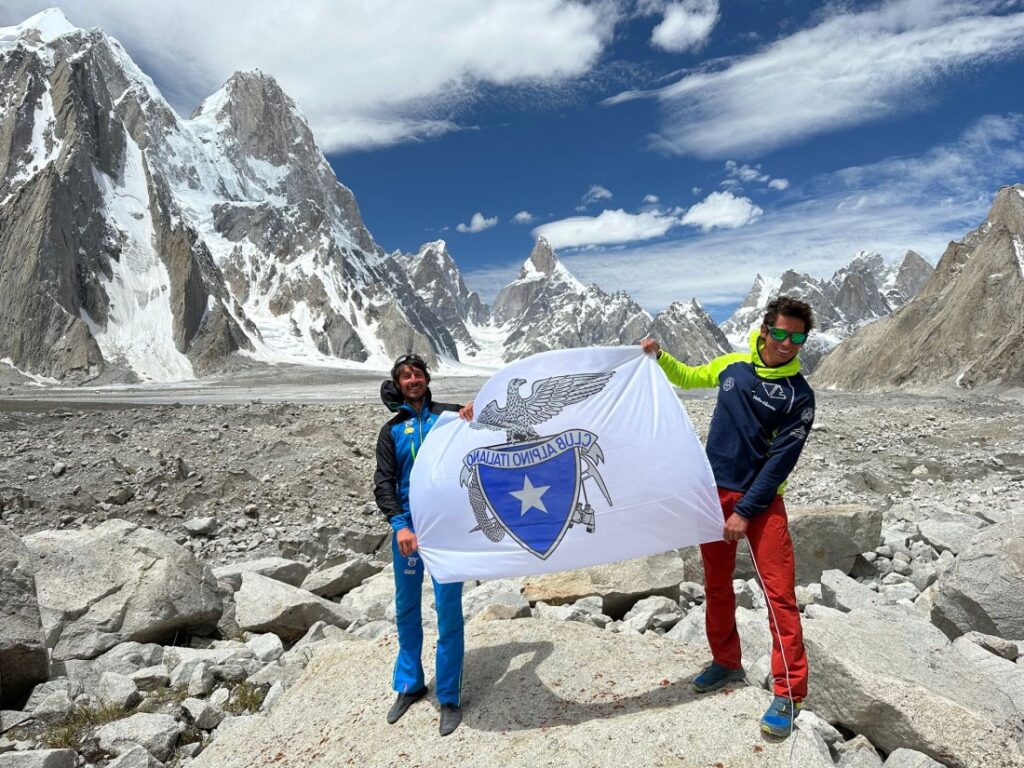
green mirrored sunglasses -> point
(781, 334)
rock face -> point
(866, 289)
(545, 307)
(117, 582)
(137, 244)
(436, 279)
(981, 277)
(522, 679)
(689, 333)
(23, 657)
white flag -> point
(575, 457)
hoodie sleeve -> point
(694, 376)
(783, 453)
(385, 481)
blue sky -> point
(671, 149)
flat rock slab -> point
(536, 693)
(619, 585)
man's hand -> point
(466, 411)
(406, 542)
(651, 347)
(735, 527)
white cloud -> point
(523, 217)
(608, 227)
(595, 193)
(851, 68)
(651, 199)
(686, 25)
(477, 223)
(363, 75)
(745, 172)
(722, 210)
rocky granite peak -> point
(927, 343)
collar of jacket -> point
(792, 368)
(406, 408)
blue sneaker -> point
(715, 676)
(778, 720)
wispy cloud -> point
(595, 194)
(361, 79)
(651, 199)
(848, 69)
(523, 217)
(477, 223)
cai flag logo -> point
(575, 458)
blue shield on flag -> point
(532, 489)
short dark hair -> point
(790, 307)
(412, 360)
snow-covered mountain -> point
(866, 289)
(689, 333)
(436, 279)
(137, 244)
(965, 327)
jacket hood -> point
(783, 371)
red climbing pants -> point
(768, 534)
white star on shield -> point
(529, 497)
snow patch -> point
(36, 378)
(140, 325)
(1018, 248)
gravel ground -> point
(290, 472)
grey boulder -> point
(619, 585)
(340, 579)
(39, 758)
(156, 733)
(898, 680)
(278, 568)
(265, 605)
(984, 589)
(118, 582)
(23, 657)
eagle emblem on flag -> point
(534, 487)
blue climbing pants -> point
(450, 642)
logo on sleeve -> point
(728, 384)
(807, 416)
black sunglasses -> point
(781, 334)
(410, 358)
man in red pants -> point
(764, 413)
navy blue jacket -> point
(761, 420)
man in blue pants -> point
(408, 395)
